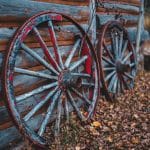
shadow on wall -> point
(147, 21)
(145, 51)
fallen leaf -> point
(96, 124)
(135, 140)
(136, 116)
(77, 148)
(94, 131)
(109, 139)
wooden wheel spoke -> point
(109, 68)
(78, 63)
(39, 105)
(132, 65)
(81, 96)
(35, 74)
(124, 83)
(108, 52)
(67, 110)
(72, 53)
(127, 57)
(119, 86)
(109, 75)
(37, 57)
(116, 45)
(124, 49)
(114, 39)
(58, 119)
(108, 61)
(111, 83)
(120, 44)
(81, 75)
(36, 91)
(55, 44)
(115, 84)
(129, 76)
(80, 115)
(45, 49)
(49, 113)
(87, 84)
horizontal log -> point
(66, 2)
(23, 107)
(16, 24)
(35, 45)
(116, 11)
(17, 10)
(65, 32)
(7, 136)
(118, 6)
(65, 36)
(24, 60)
(127, 2)
(10, 134)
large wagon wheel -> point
(117, 60)
(43, 84)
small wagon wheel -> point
(117, 60)
(43, 84)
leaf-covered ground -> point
(124, 124)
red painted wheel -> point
(117, 60)
(44, 84)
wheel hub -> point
(121, 68)
(66, 79)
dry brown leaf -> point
(96, 124)
(94, 131)
(109, 139)
(77, 148)
(135, 140)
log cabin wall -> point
(127, 11)
(13, 13)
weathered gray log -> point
(120, 6)
(26, 8)
(6, 33)
(7, 136)
(132, 34)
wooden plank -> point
(14, 10)
(127, 2)
(67, 2)
(65, 36)
(7, 136)
(116, 11)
